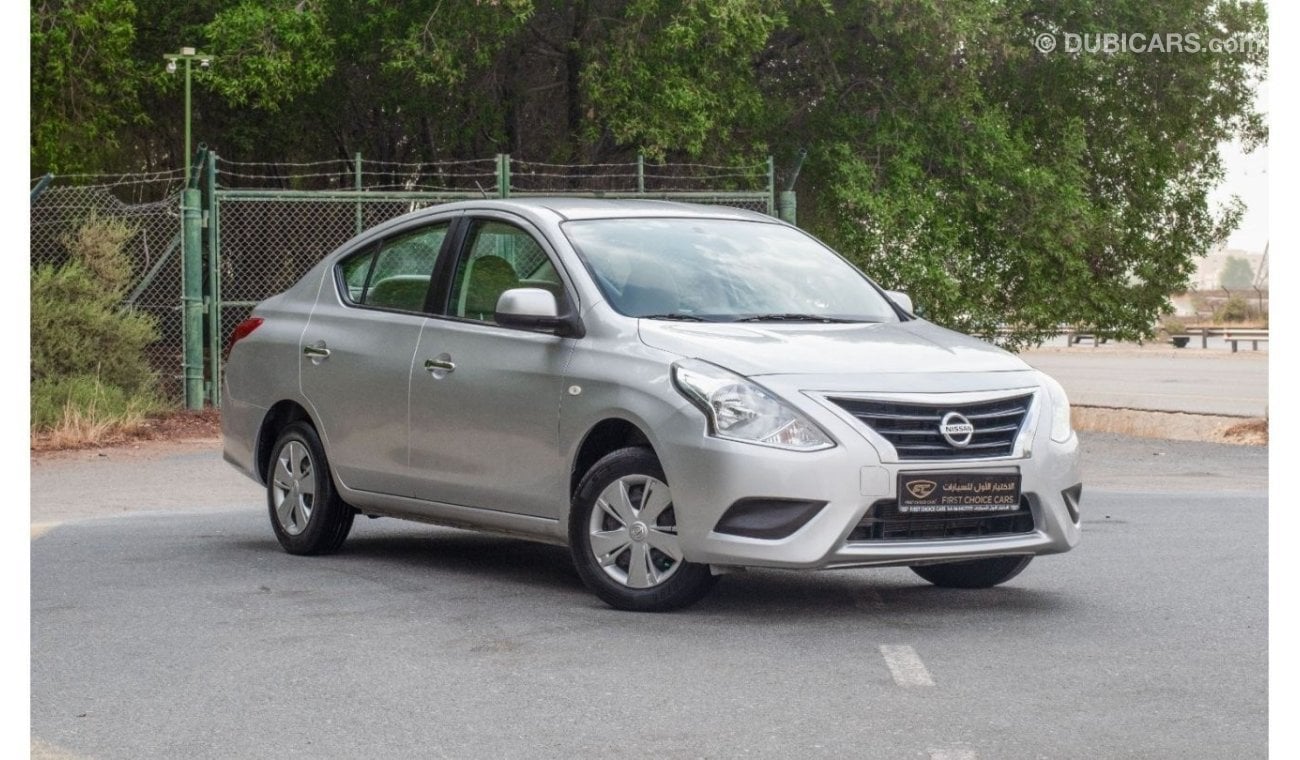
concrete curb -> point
(1177, 426)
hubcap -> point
(634, 532)
(293, 487)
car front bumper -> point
(708, 475)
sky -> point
(1247, 178)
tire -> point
(624, 554)
(314, 522)
(977, 573)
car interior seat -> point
(488, 278)
(403, 291)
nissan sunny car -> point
(672, 391)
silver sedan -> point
(672, 391)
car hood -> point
(774, 348)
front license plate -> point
(945, 492)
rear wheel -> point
(623, 535)
(306, 512)
(978, 573)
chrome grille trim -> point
(911, 425)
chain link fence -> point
(268, 242)
(266, 224)
(149, 205)
(275, 221)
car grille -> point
(913, 429)
(883, 522)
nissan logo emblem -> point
(956, 430)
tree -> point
(1236, 274)
(84, 83)
(1004, 185)
(948, 156)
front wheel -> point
(307, 514)
(623, 535)
(977, 573)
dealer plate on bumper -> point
(956, 492)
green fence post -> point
(192, 295)
(357, 185)
(215, 331)
(771, 185)
(41, 185)
(788, 207)
(640, 172)
(503, 175)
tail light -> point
(244, 329)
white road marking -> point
(906, 666)
(41, 528)
(952, 753)
(43, 750)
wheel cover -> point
(293, 487)
(633, 532)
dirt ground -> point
(176, 426)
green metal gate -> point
(260, 240)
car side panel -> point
(485, 435)
(358, 393)
(262, 369)
(619, 378)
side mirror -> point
(535, 309)
(903, 300)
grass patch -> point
(81, 411)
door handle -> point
(439, 365)
(318, 351)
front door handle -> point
(439, 364)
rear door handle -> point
(439, 365)
(317, 351)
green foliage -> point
(78, 327)
(443, 45)
(83, 401)
(270, 53)
(1235, 309)
(1236, 274)
(998, 184)
(675, 76)
(84, 82)
(1173, 326)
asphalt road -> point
(1174, 380)
(188, 633)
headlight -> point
(1061, 430)
(740, 410)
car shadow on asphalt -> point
(495, 564)
(866, 593)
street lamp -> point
(188, 55)
(191, 250)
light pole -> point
(191, 250)
(188, 55)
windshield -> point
(722, 271)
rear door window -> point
(396, 274)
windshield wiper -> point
(794, 318)
(676, 317)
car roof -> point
(571, 208)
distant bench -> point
(1231, 335)
(1075, 334)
